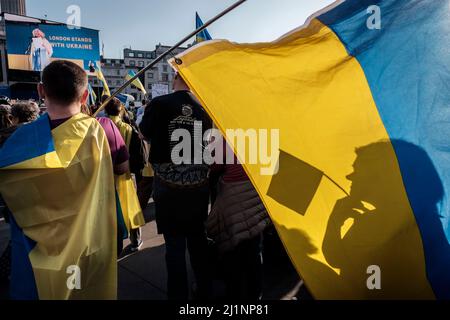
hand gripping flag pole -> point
(161, 57)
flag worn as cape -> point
(360, 96)
(59, 186)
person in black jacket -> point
(181, 191)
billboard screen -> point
(32, 46)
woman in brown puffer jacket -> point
(236, 223)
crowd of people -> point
(213, 212)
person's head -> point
(179, 84)
(372, 165)
(104, 98)
(5, 101)
(114, 107)
(24, 112)
(5, 117)
(37, 33)
(64, 86)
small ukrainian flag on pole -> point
(101, 77)
(137, 83)
(204, 35)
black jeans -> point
(145, 191)
(5, 264)
(177, 282)
(135, 237)
(243, 271)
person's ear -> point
(41, 91)
(84, 97)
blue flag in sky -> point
(204, 35)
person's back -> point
(132, 211)
(181, 189)
(179, 110)
(186, 176)
(58, 219)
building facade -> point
(136, 60)
(14, 7)
(3, 64)
(115, 71)
(163, 72)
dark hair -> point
(25, 111)
(64, 81)
(113, 107)
(5, 117)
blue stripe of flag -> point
(407, 65)
(28, 142)
(204, 35)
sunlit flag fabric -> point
(59, 186)
(129, 206)
(204, 35)
(137, 83)
(101, 77)
(361, 199)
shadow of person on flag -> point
(391, 220)
(320, 275)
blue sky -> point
(142, 24)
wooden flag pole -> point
(161, 57)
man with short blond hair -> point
(64, 223)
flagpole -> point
(161, 57)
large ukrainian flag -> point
(59, 186)
(364, 119)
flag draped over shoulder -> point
(204, 35)
(129, 203)
(137, 82)
(59, 186)
(127, 195)
(361, 198)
